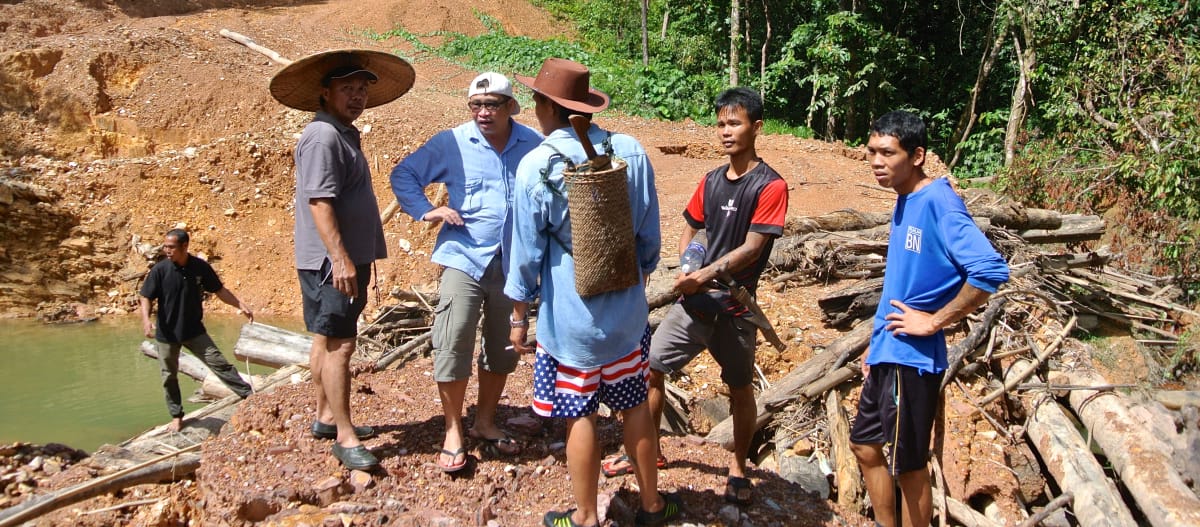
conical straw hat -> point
(299, 85)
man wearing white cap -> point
(338, 230)
(477, 162)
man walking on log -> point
(338, 229)
(477, 162)
(178, 283)
(940, 267)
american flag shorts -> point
(563, 391)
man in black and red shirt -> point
(741, 207)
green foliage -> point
(983, 150)
(1117, 122)
(776, 126)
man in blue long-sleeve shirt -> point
(477, 161)
(589, 349)
(940, 267)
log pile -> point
(1019, 386)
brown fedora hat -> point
(566, 82)
(299, 85)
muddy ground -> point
(122, 119)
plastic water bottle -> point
(693, 256)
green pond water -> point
(88, 384)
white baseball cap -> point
(493, 83)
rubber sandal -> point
(329, 431)
(735, 486)
(672, 509)
(355, 458)
(560, 519)
(460, 451)
(617, 466)
(495, 448)
(503, 446)
(621, 465)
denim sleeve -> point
(417, 171)
(647, 229)
(529, 241)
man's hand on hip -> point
(910, 322)
(445, 214)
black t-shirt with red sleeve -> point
(728, 209)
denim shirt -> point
(579, 332)
(479, 184)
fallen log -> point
(272, 346)
(211, 386)
(249, 43)
(841, 220)
(409, 348)
(1140, 457)
(851, 303)
(1075, 228)
(1176, 400)
(1062, 262)
(792, 386)
(1070, 461)
(848, 477)
(1055, 504)
(162, 468)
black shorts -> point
(327, 311)
(896, 409)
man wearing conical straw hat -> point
(590, 348)
(338, 232)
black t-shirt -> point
(179, 291)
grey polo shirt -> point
(330, 164)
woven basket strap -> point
(554, 158)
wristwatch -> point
(523, 323)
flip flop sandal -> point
(499, 447)
(449, 469)
(617, 466)
(355, 458)
(559, 519)
(329, 431)
(672, 509)
(739, 491)
(622, 465)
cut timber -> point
(271, 346)
(841, 220)
(849, 479)
(1139, 456)
(851, 303)
(1059, 262)
(164, 468)
(814, 371)
(1075, 228)
(1177, 400)
(1068, 458)
(1013, 215)
(211, 386)
(249, 42)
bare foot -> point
(175, 424)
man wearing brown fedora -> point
(592, 349)
(338, 230)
